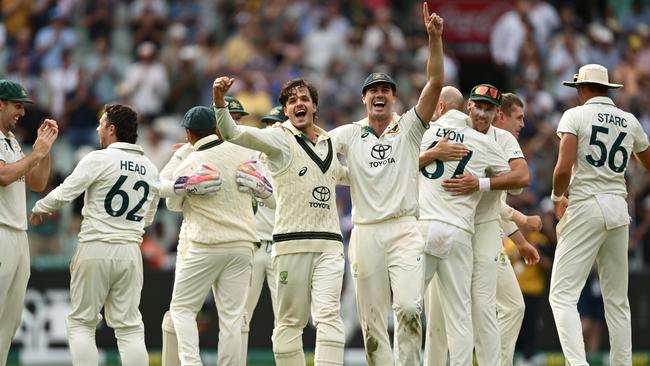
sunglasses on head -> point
(490, 91)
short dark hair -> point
(289, 87)
(508, 101)
(199, 134)
(125, 120)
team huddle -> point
(428, 191)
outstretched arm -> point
(435, 69)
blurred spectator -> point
(53, 39)
(253, 96)
(569, 51)
(184, 80)
(603, 51)
(21, 49)
(146, 84)
(508, 35)
(60, 81)
(240, 48)
(81, 113)
(148, 25)
(532, 280)
(186, 12)
(636, 15)
(384, 40)
(15, 16)
(98, 18)
(105, 70)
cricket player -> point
(308, 246)
(218, 238)
(447, 222)
(596, 141)
(483, 105)
(385, 245)
(250, 182)
(122, 189)
(17, 171)
(509, 300)
(265, 218)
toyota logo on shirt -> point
(321, 193)
(381, 152)
(382, 155)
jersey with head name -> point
(121, 186)
(485, 157)
(607, 137)
(490, 204)
(384, 168)
(12, 196)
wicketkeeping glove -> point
(250, 180)
(204, 180)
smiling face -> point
(300, 108)
(379, 100)
(514, 122)
(10, 112)
(482, 114)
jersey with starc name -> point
(485, 158)
(607, 138)
(384, 168)
(121, 186)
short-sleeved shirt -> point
(485, 158)
(607, 137)
(12, 197)
(121, 186)
(383, 169)
(490, 205)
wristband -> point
(484, 184)
(555, 198)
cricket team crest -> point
(284, 275)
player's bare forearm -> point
(38, 176)
(526, 250)
(435, 67)
(566, 159)
(644, 158)
(426, 157)
(517, 177)
(10, 173)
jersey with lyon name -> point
(121, 186)
(485, 157)
(607, 137)
(383, 169)
(12, 196)
(490, 204)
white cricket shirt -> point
(485, 158)
(383, 169)
(607, 137)
(12, 197)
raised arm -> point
(268, 141)
(435, 69)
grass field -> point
(264, 357)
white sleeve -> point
(79, 180)
(268, 140)
(567, 124)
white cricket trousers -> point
(262, 269)
(227, 271)
(108, 276)
(385, 257)
(309, 280)
(510, 308)
(449, 293)
(486, 245)
(14, 274)
(583, 239)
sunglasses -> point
(487, 91)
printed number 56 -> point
(117, 191)
(604, 156)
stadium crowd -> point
(161, 57)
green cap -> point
(234, 106)
(11, 90)
(378, 77)
(199, 118)
(275, 115)
(486, 92)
